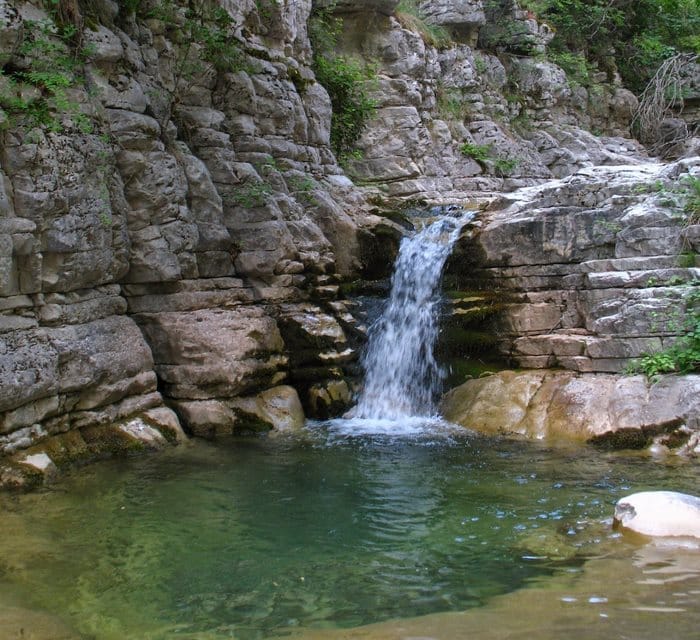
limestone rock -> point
(206, 418)
(659, 513)
(194, 242)
(329, 400)
(587, 269)
(42, 463)
(213, 352)
(460, 13)
(277, 408)
(616, 411)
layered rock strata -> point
(177, 245)
(455, 119)
(587, 273)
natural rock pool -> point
(321, 530)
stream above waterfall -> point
(254, 537)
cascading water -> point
(402, 376)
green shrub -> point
(345, 79)
(252, 194)
(632, 37)
(691, 194)
(684, 355)
(452, 105)
(478, 152)
(574, 64)
(37, 96)
(505, 166)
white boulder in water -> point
(659, 513)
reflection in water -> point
(333, 529)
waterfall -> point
(402, 376)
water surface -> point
(345, 524)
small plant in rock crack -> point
(302, 187)
(37, 94)
(683, 356)
(482, 153)
(252, 194)
(691, 196)
(346, 80)
(204, 41)
(478, 152)
(410, 16)
(505, 166)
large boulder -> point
(659, 513)
(618, 411)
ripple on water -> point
(349, 523)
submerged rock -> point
(659, 513)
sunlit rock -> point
(611, 411)
(659, 513)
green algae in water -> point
(254, 537)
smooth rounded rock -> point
(659, 513)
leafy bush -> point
(37, 96)
(452, 104)
(504, 166)
(684, 355)
(479, 152)
(691, 186)
(574, 64)
(345, 79)
(633, 36)
(482, 153)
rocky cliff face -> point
(174, 225)
(589, 272)
(459, 119)
(176, 232)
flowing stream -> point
(402, 376)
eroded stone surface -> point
(592, 271)
(616, 411)
(192, 241)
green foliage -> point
(691, 208)
(452, 105)
(345, 79)
(209, 27)
(302, 187)
(574, 64)
(683, 356)
(129, 7)
(634, 36)
(504, 166)
(205, 41)
(252, 194)
(479, 152)
(482, 153)
(38, 95)
(409, 15)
